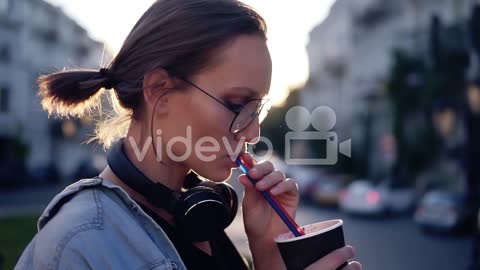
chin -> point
(218, 170)
(218, 174)
(221, 176)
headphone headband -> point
(155, 193)
(202, 212)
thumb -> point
(251, 194)
(243, 179)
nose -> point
(251, 133)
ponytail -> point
(73, 92)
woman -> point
(195, 67)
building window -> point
(50, 35)
(4, 99)
(5, 55)
(45, 34)
(82, 51)
(373, 15)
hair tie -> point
(109, 81)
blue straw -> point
(271, 201)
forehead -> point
(243, 64)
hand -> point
(261, 222)
(333, 260)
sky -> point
(288, 25)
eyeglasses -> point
(244, 113)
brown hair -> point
(179, 36)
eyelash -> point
(235, 107)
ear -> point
(156, 85)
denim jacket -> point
(94, 224)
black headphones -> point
(201, 213)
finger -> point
(353, 266)
(334, 259)
(289, 185)
(270, 180)
(261, 169)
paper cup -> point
(319, 240)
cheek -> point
(210, 119)
(192, 127)
(195, 139)
(174, 141)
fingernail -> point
(253, 171)
(356, 265)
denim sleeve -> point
(27, 260)
(94, 231)
(89, 250)
(73, 259)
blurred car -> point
(444, 211)
(365, 198)
(326, 190)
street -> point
(396, 243)
(387, 244)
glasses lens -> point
(246, 115)
(264, 108)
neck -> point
(140, 151)
(107, 173)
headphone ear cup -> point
(202, 213)
(229, 196)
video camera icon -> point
(323, 119)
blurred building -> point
(37, 38)
(350, 55)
